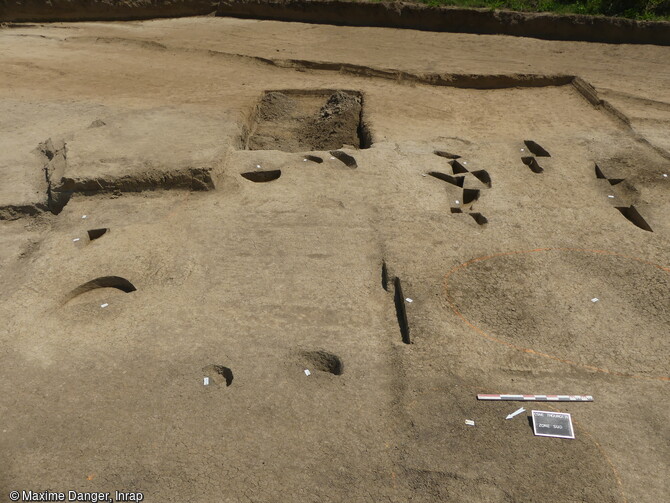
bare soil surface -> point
(240, 201)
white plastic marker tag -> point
(611, 197)
(258, 166)
(84, 216)
(205, 381)
(465, 162)
(307, 372)
(409, 300)
(595, 299)
(75, 240)
(104, 305)
(469, 422)
(515, 413)
(332, 158)
(665, 175)
(457, 201)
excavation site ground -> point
(260, 261)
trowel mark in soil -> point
(536, 149)
(262, 176)
(94, 234)
(631, 213)
(401, 311)
(218, 374)
(322, 361)
(446, 155)
(457, 168)
(314, 158)
(345, 158)
(531, 162)
(483, 176)
(454, 180)
(103, 282)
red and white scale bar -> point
(539, 398)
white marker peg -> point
(611, 197)
(522, 150)
(304, 160)
(104, 305)
(332, 158)
(595, 299)
(84, 216)
(665, 175)
(205, 381)
(409, 300)
(307, 372)
(258, 166)
(515, 413)
(465, 162)
(469, 422)
(75, 240)
(457, 202)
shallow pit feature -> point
(347, 159)
(218, 374)
(531, 162)
(457, 168)
(483, 176)
(633, 216)
(454, 180)
(262, 176)
(479, 218)
(536, 149)
(115, 282)
(94, 234)
(322, 361)
(446, 155)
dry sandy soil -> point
(214, 267)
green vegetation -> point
(634, 9)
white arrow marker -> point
(515, 413)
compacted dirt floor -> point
(414, 218)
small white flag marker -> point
(469, 422)
(104, 305)
(307, 372)
(515, 413)
(205, 381)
